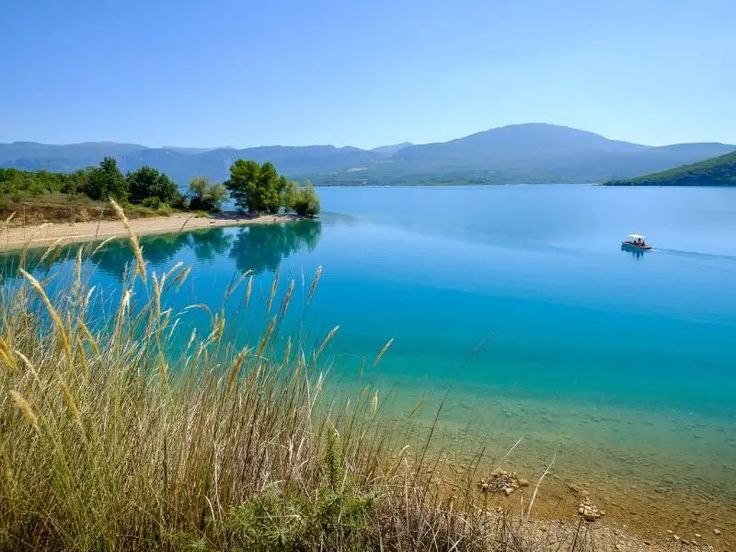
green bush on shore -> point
(205, 195)
(306, 202)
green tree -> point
(16, 181)
(290, 192)
(205, 195)
(148, 183)
(106, 181)
(306, 202)
(256, 187)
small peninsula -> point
(717, 171)
(41, 207)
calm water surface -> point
(518, 306)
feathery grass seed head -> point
(25, 409)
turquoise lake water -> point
(517, 305)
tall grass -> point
(109, 441)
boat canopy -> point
(635, 237)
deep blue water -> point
(517, 305)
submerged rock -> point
(502, 481)
(588, 510)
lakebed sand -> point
(49, 233)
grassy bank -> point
(64, 208)
(108, 441)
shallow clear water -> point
(518, 306)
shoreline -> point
(39, 235)
(642, 501)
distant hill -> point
(391, 149)
(65, 158)
(526, 153)
(718, 171)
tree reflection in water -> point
(261, 248)
(209, 244)
(158, 251)
(257, 248)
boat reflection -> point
(636, 252)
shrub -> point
(164, 210)
(147, 183)
(306, 202)
(151, 202)
(287, 521)
(205, 195)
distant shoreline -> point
(38, 235)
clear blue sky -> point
(210, 73)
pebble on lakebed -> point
(589, 511)
(502, 481)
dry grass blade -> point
(29, 365)
(135, 245)
(78, 268)
(25, 409)
(313, 285)
(183, 224)
(235, 369)
(266, 337)
(6, 222)
(326, 341)
(287, 298)
(59, 325)
(234, 285)
(50, 249)
(6, 354)
(101, 245)
(88, 336)
(539, 482)
(508, 452)
(29, 242)
(248, 291)
(382, 352)
(272, 295)
(70, 403)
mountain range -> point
(524, 153)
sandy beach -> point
(48, 233)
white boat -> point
(636, 242)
